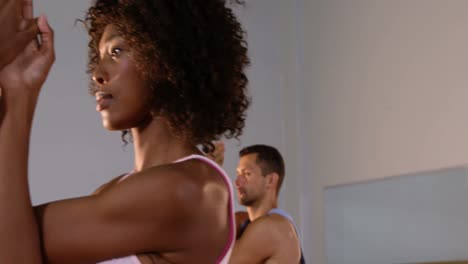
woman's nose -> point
(99, 76)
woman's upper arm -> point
(141, 214)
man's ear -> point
(272, 180)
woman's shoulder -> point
(193, 170)
(194, 181)
(185, 182)
(109, 184)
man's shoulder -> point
(271, 225)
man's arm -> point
(257, 244)
(241, 217)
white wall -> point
(279, 114)
(387, 89)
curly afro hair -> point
(192, 54)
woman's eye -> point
(115, 52)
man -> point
(265, 234)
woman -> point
(169, 74)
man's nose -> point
(238, 181)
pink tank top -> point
(226, 254)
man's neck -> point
(262, 208)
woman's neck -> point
(155, 144)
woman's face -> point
(122, 97)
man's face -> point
(250, 183)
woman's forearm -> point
(19, 239)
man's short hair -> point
(269, 160)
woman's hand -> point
(26, 74)
(14, 35)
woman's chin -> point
(113, 123)
(113, 126)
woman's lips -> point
(103, 101)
